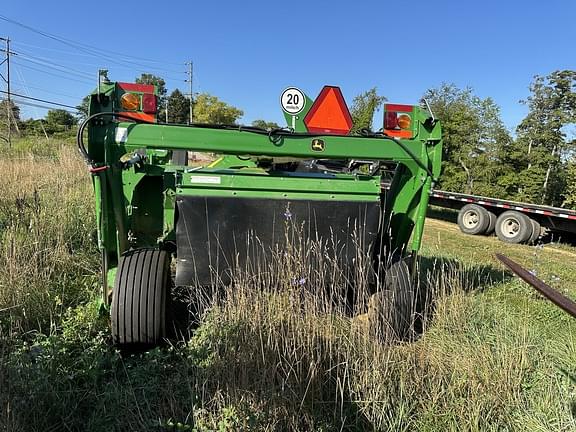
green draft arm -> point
(238, 142)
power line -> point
(30, 104)
(54, 66)
(54, 49)
(37, 100)
(43, 60)
(53, 74)
(98, 52)
(23, 81)
(49, 91)
(131, 68)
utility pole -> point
(7, 80)
(189, 81)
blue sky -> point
(247, 52)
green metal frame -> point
(135, 203)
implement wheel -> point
(139, 297)
(391, 311)
(491, 223)
(473, 219)
(536, 232)
(514, 227)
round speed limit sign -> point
(293, 100)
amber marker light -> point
(130, 101)
(404, 121)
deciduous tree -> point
(209, 109)
(83, 108)
(11, 111)
(476, 141)
(570, 191)
(58, 120)
(363, 108)
(265, 124)
(543, 145)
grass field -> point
(495, 355)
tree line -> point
(481, 156)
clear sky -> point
(247, 52)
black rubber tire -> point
(473, 219)
(536, 231)
(491, 223)
(513, 227)
(392, 310)
(139, 298)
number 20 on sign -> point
(293, 101)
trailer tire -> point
(514, 227)
(491, 223)
(536, 231)
(392, 310)
(139, 298)
(473, 219)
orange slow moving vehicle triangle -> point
(329, 113)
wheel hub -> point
(510, 227)
(471, 219)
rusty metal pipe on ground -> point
(547, 291)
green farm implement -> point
(163, 221)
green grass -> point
(494, 356)
(516, 324)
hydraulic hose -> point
(80, 137)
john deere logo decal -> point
(318, 145)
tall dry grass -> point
(47, 258)
(279, 349)
(283, 338)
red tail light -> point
(398, 120)
(390, 120)
(136, 101)
(149, 103)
